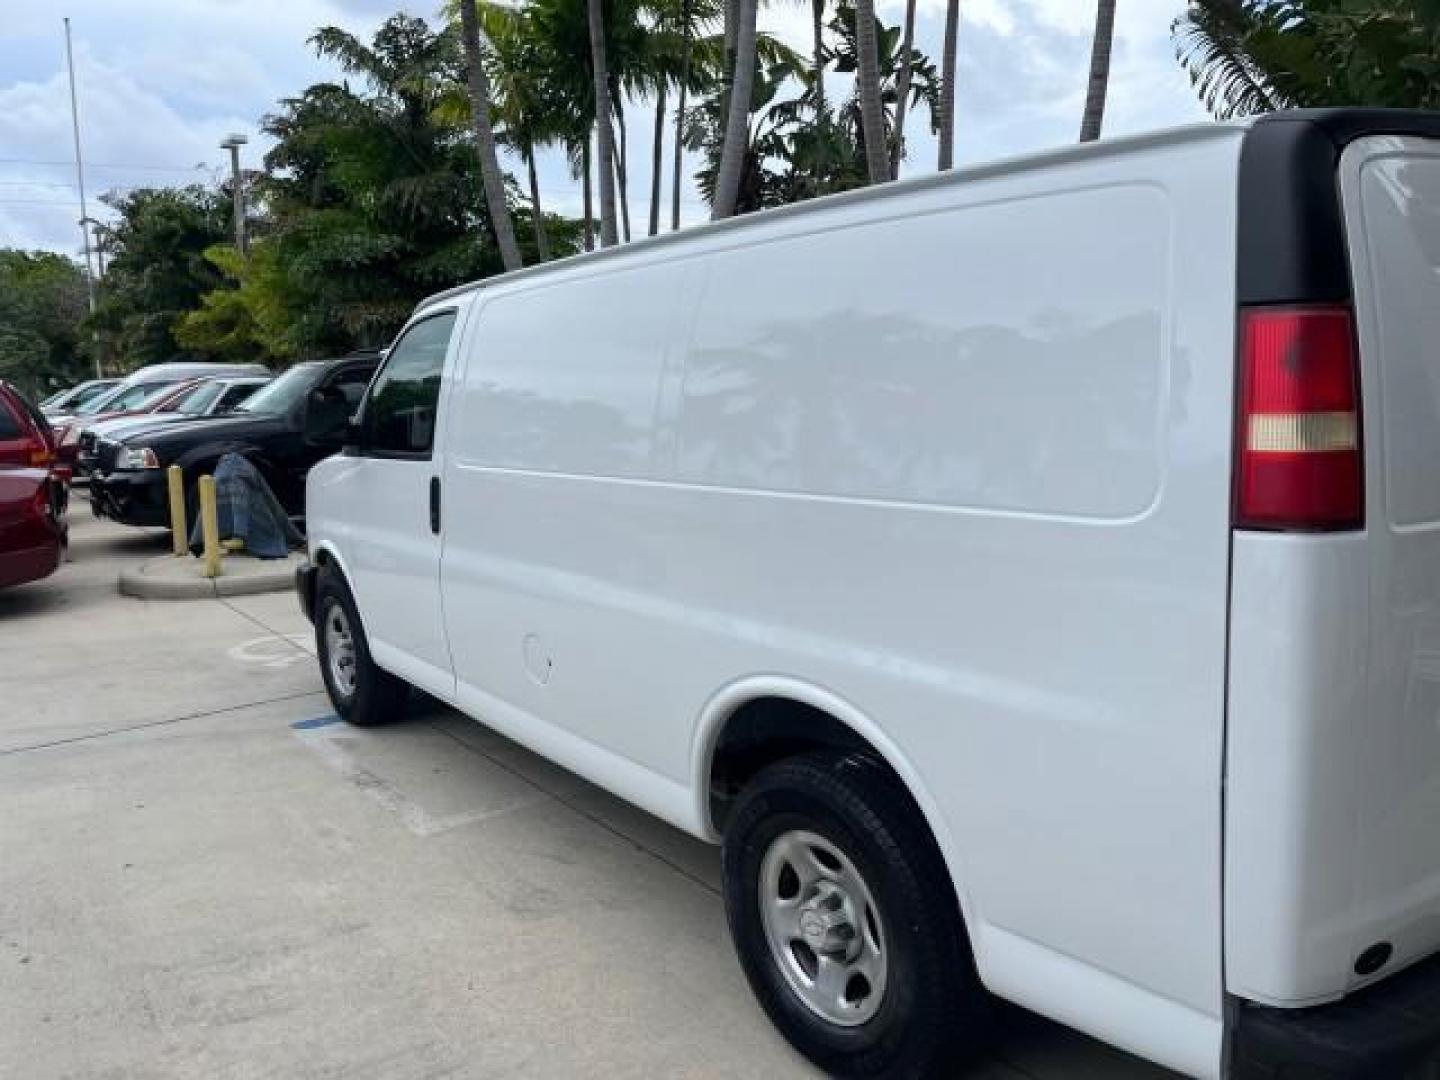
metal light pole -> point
(233, 144)
(80, 184)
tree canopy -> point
(42, 304)
(156, 270)
(1252, 56)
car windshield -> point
(129, 398)
(197, 400)
(90, 393)
(279, 397)
(101, 402)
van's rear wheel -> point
(362, 693)
(845, 922)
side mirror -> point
(327, 418)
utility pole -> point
(80, 184)
(233, 144)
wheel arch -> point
(210, 453)
(768, 717)
(324, 553)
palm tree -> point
(737, 112)
(588, 170)
(947, 86)
(867, 85)
(894, 66)
(529, 117)
(687, 31)
(493, 180)
(668, 62)
(817, 32)
(622, 159)
(902, 90)
(657, 157)
(605, 135)
(699, 63)
(1099, 71)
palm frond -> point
(1210, 43)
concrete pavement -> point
(203, 874)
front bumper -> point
(132, 498)
(1388, 1031)
(306, 576)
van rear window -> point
(1400, 200)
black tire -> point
(933, 1013)
(376, 696)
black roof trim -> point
(1292, 235)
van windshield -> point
(279, 397)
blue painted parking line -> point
(319, 721)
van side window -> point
(9, 427)
(400, 413)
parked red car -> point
(32, 524)
(33, 493)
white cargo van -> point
(1030, 575)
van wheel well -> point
(764, 731)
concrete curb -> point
(169, 578)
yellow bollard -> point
(210, 526)
(179, 527)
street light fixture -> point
(233, 142)
(96, 228)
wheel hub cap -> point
(340, 650)
(823, 927)
(827, 921)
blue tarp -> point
(249, 511)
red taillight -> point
(1298, 463)
(40, 455)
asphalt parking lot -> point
(205, 875)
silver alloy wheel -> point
(340, 650)
(823, 927)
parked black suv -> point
(283, 429)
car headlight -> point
(136, 457)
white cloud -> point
(130, 132)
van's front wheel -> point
(362, 693)
(845, 923)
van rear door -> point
(1332, 784)
(1390, 191)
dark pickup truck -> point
(285, 428)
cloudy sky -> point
(161, 82)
